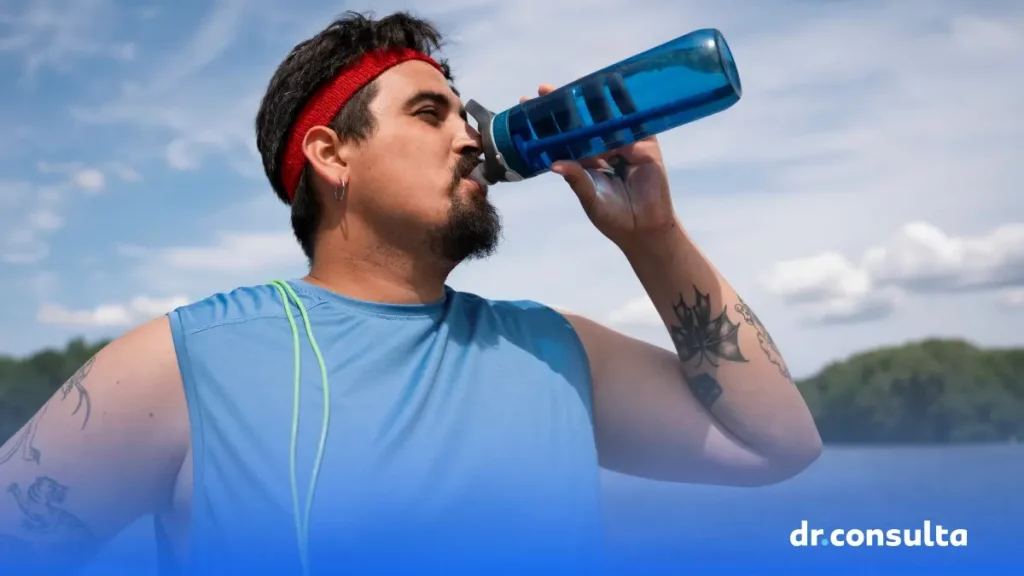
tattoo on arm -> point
(54, 533)
(705, 388)
(77, 384)
(701, 336)
(767, 344)
(23, 442)
(705, 337)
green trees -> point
(935, 391)
(929, 392)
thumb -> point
(579, 180)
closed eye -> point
(429, 105)
(429, 115)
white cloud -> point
(90, 179)
(58, 34)
(924, 258)
(828, 275)
(920, 258)
(180, 156)
(234, 258)
(34, 210)
(201, 114)
(234, 252)
(45, 219)
(1013, 298)
(124, 172)
(24, 252)
(86, 178)
(138, 310)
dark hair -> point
(309, 65)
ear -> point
(326, 155)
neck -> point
(378, 274)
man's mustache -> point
(464, 167)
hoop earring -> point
(339, 191)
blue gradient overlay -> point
(660, 528)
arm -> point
(102, 452)
(723, 409)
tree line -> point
(929, 392)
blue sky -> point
(860, 194)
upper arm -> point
(102, 452)
(649, 424)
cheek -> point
(403, 178)
(408, 163)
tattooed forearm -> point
(767, 344)
(22, 444)
(705, 337)
(52, 533)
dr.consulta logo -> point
(928, 535)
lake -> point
(663, 528)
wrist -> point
(656, 247)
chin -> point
(471, 230)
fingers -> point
(541, 91)
(596, 163)
(637, 153)
(576, 176)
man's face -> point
(409, 178)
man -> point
(369, 413)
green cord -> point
(302, 524)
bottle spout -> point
(477, 175)
(493, 168)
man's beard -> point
(473, 227)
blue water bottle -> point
(667, 86)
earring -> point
(339, 191)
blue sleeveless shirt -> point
(460, 435)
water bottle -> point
(680, 81)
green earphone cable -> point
(302, 524)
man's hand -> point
(625, 192)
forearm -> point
(728, 359)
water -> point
(675, 83)
(978, 488)
(664, 528)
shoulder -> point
(590, 340)
(156, 346)
(544, 329)
(239, 305)
(525, 314)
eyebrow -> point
(436, 98)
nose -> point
(469, 141)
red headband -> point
(324, 105)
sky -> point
(860, 194)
